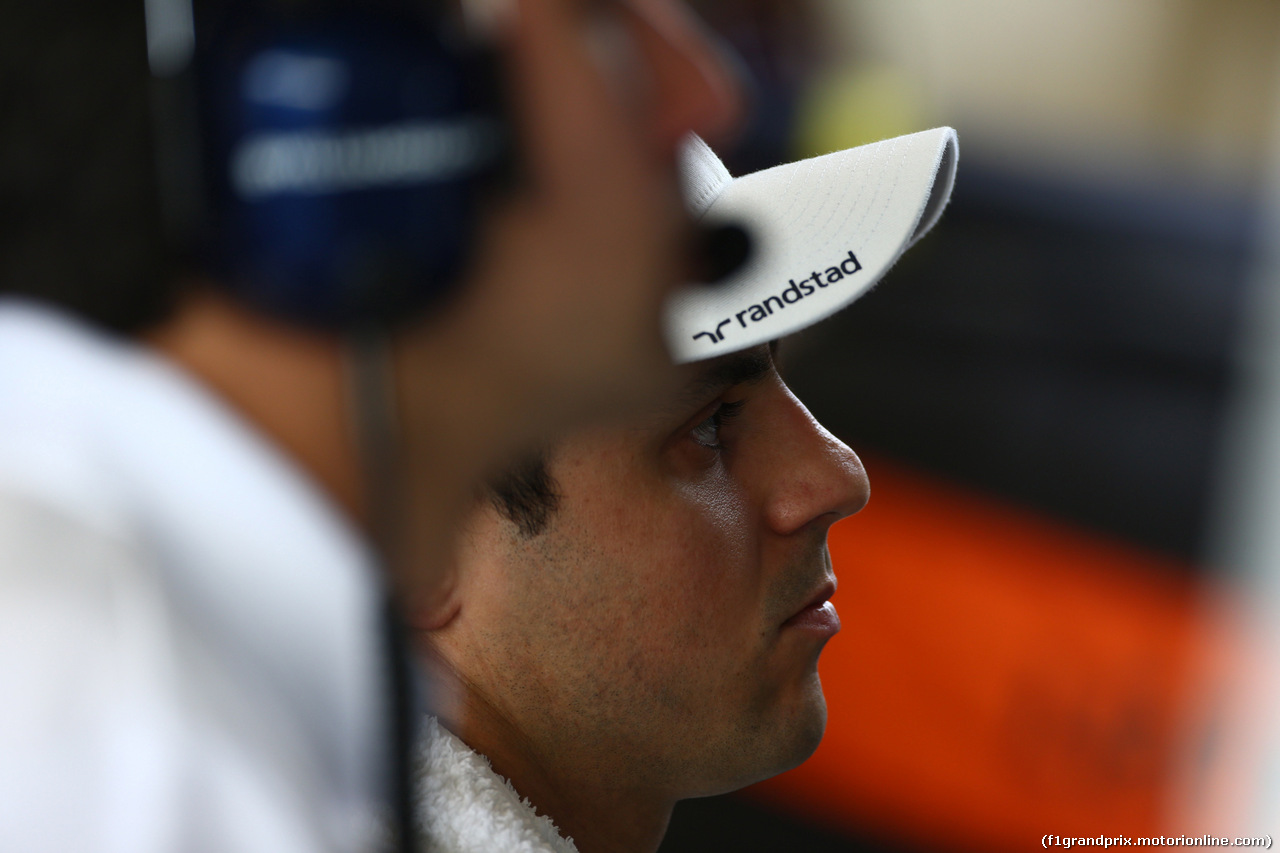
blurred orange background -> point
(999, 676)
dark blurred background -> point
(1064, 345)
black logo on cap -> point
(790, 295)
(717, 336)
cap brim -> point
(824, 230)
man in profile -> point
(639, 610)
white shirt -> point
(189, 645)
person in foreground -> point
(639, 610)
(196, 552)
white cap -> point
(823, 231)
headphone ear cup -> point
(347, 154)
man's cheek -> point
(716, 523)
(714, 572)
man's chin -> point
(779, 745)
(806, 731)
(800, 734)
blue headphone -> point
(326, 160)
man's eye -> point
(707, 433)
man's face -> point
(662, 632)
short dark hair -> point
(525, 494)
(79, 208)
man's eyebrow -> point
(746, 367)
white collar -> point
(465, 807)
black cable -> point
(403, 724)
(372, 387)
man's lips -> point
(818, 614)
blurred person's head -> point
(639, 609)
(557, 317)
(83, 226)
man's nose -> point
(695, 83)
(819, 479)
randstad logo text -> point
(790, 295)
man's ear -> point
(438, 606)
(479, 546)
